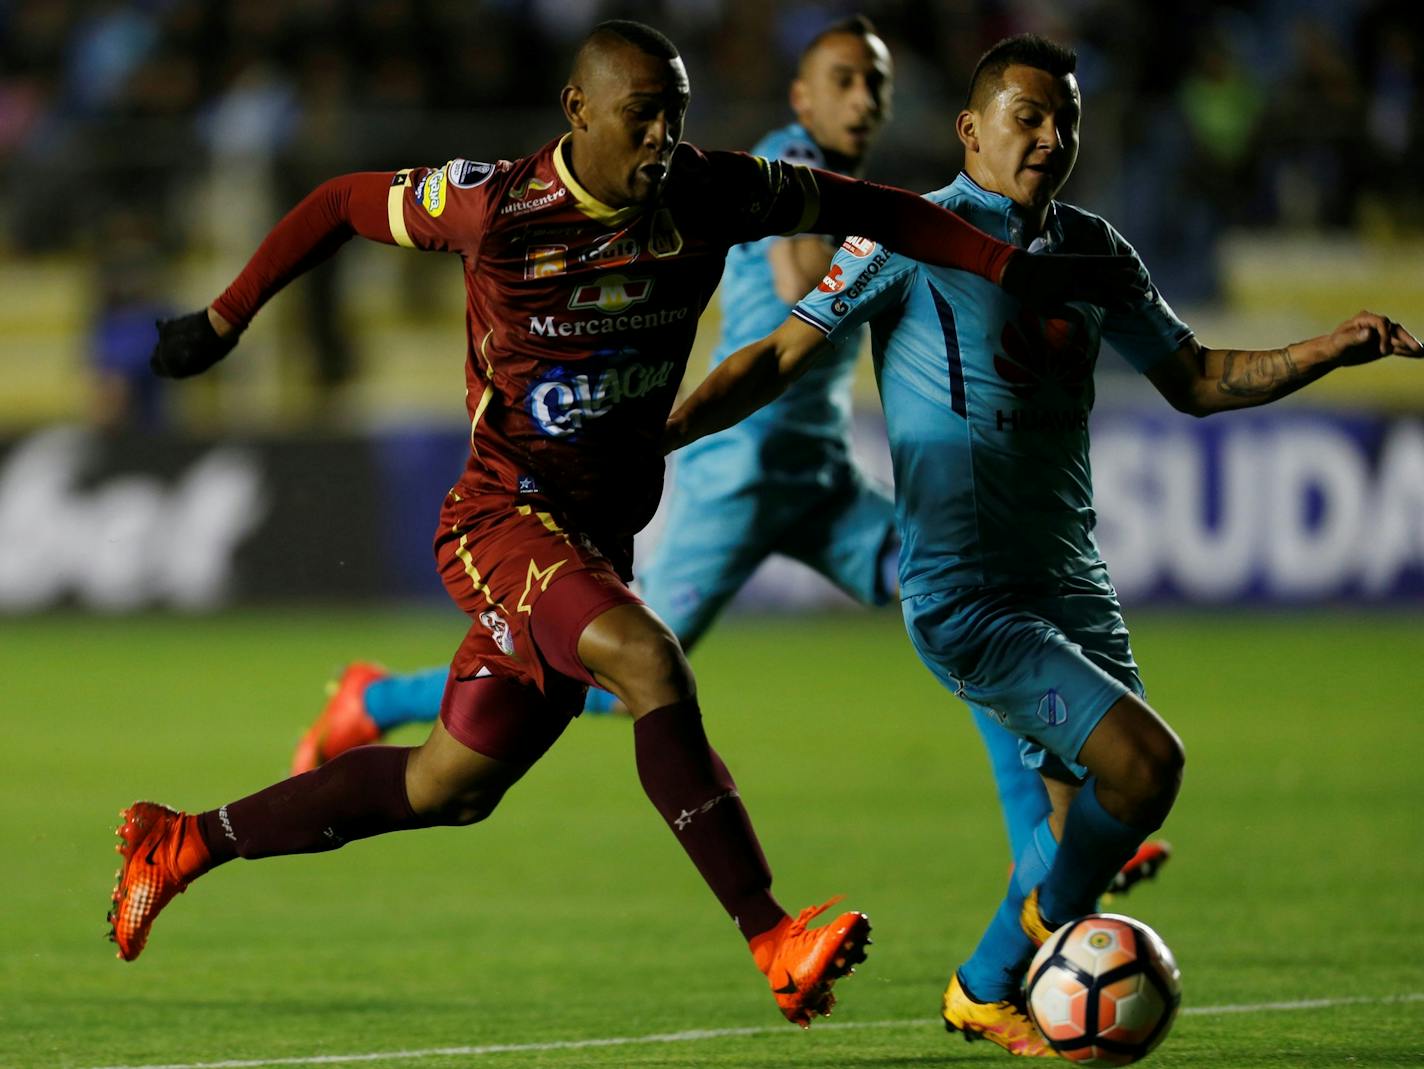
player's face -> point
(1024, 142)
(843, 93)
(634, 120)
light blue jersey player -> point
(987, 401)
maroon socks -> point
(354, 796)
(692, 789)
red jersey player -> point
(586, 267)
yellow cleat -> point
(1032, 922)
(1005, 1023)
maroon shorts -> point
(508, 719)
(529, 586)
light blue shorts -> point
(739, 498)
(1047, 663)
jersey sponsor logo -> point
(564, 403)
(431, 193)
(611, 294)
(468, 173)
(832, 283)
(532, 184)
(1039, 351)
(862, 281)
(664, 239)
(545, 261)
(552, 327)
(612, 250)
(543, 201)
(1052, 709)
(498, 628)
(801, 152)
(858, 246)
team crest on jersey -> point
(611, 293)
(664, 238)
(858, 246)
(801, 152)
(545, 261)
(832, 283)
(498, 628)
(431, 193)
(468, 173)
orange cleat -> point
(1005, 1023)
(802, 965)
(1145, 865)
(163, 853)
(344, 723)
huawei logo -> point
(1038, 351)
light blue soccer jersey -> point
(986, 401)
(819, 404)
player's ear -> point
(575, 107)
(799, 98)
(967, 127)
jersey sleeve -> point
(440, 209)
(864, 279)
(753, 197)
(1146, 330)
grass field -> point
(569, 931)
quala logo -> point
(563, 403)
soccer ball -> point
(1103, 990)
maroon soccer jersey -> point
(580, 317)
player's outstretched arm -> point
(921, 230)
(1200, 381)
(753, 376)
(329, 216)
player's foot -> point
(802, 965)
(344, 723)
(1032, 922)
(1145, 865)
(1005, 1022)
(163, 853)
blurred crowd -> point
(1199, 116)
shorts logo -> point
(499, 630)
(1052, 709)
(611, 294)
(544, 261)
(663, 237)
(468, 173)
(832, 283)
(856, 246)
(432, 193)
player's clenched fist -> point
(189, 345)
(1051, 279)
(1367, 336)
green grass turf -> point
(572, 915)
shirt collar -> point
(1008, 213)
(585, 201)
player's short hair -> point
(855, 25)
(1024, 49)
(640, 35)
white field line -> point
(699, 1034)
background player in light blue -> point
(1005, 595)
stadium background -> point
(180, 566)
(1262, 156)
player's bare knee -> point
(1153, 776)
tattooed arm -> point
(1200, 381)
